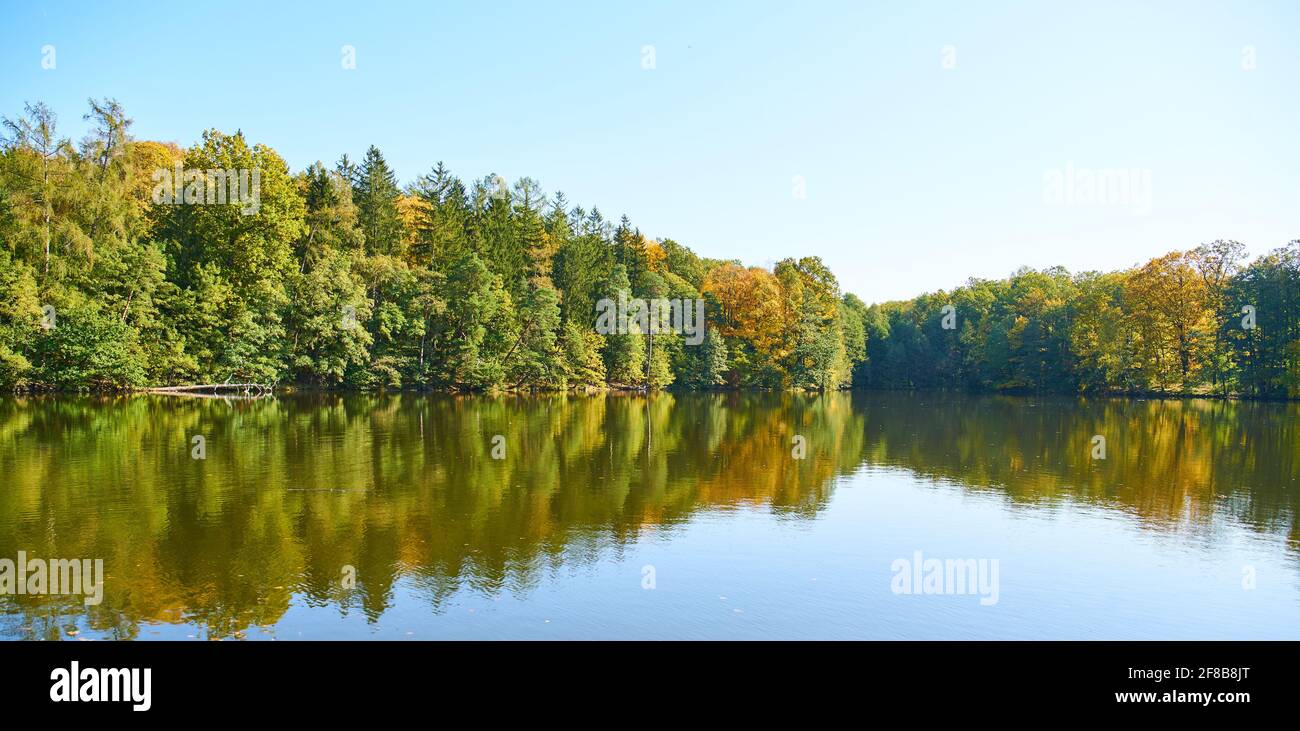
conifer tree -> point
(376, 193)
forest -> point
(341, 277)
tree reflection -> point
(405, 486)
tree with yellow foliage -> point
(1168, 307)
(748, 303)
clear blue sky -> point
(917, 176)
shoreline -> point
(275, 391)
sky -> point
(910, 145)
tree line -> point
(341, 277)
(1204, 321)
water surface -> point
(669, 516)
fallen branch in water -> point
(217, 390)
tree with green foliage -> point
(625, 349)
(376, 192)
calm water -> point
(1187, 529)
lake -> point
(669, 516)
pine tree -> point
(535, 243)
(629, 251)
(494, 233)
(624, 350)
(582, 355)
(580, 264)
(331, 216)
(376, 194)
(441, 232)
(477, 329)
(659, 341)
(536, 358)
(705, 365)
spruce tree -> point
(376, 195)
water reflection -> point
(405, 488)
